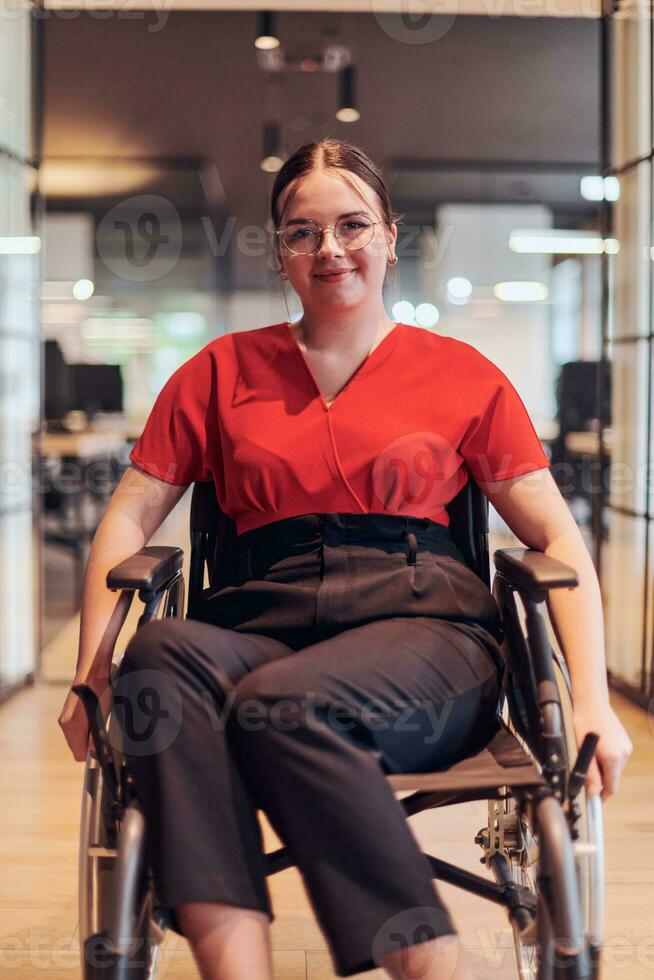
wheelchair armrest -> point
(533, 572)
(148, 569)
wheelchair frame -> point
(525, 773)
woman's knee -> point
(147, 648)
(276, 700)
(264, 699)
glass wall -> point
(20, 260)
(626, 558)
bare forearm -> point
(103, 612)
(577, 618)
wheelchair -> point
(543, 843)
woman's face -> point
(325, 197)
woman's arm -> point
(137, 508)
(537, 514)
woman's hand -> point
(613, 748)
(72, 718)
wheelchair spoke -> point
(521, 848)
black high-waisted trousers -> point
(351, 646)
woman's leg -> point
(174, 686)
(437, 959)
(228, 943)
(312, 734)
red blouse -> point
(421, 412)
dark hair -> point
(329, 153)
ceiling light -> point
(558, 241)
(271, 158)
(520, 292)
(347, 110)
(611, 188)
(266, 37)
(403, 311)
(116, 330)
(83, 289)
(458, 289)
(427, 314)
(20, 245)
(596, 188)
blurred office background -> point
(137, 154)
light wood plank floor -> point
(39, 838)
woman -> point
(335, 444)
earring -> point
(393, 261)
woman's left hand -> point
(613, 748)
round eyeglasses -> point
(351, 233)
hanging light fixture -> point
(347, 110)
(271, 158)
(266, 33)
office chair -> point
(543, 842)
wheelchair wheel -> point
(100, 885)
(521, 847)
(589, 846)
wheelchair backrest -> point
(213, 536)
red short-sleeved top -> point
(421, 412)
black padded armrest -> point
(532, 571)
(147, 569)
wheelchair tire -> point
(98, 861)
(523, 853)
(589, 848)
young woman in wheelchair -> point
(335, 443)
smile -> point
(335, 276)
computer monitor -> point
(58, 382)
(97, 388)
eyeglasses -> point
(351, 233)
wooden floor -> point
(41, 790)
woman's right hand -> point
(72, 718)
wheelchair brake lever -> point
(98, 730)
(580, 769)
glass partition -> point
(20, 370)
(626, 551)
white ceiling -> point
(413, 9)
